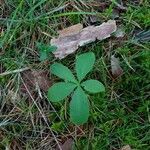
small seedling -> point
(45, 50)
(79, 105)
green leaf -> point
(79, 107)
(62, 72)
(93, 86)
(60, 90)
(84, 64)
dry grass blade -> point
(43, 116)
(14, 71)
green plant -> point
(45, 50)
(79, 105)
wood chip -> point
(115, 67)
(70, 39)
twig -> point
(14, 71)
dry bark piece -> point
(127, 147)
(115, 67)
(70, 39)
(71, 30)
(106, 29)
